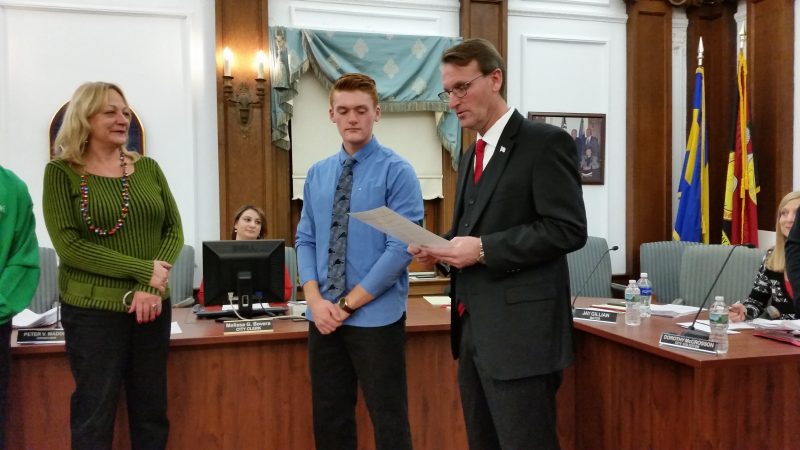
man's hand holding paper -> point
(462, 252)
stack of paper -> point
(437, 300)
(29, 319)
(670, 310)
(703, 325)
(792, 325)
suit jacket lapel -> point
(494, 170)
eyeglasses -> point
(459, 91)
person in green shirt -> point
(117, 231)
(19, 269)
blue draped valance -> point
(407, 70)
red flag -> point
(740, 221)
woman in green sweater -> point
(117, 231)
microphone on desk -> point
(586, 281)
(700, 334)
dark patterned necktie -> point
(339, 218)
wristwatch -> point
(344, 306)
(481, 253)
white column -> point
(679, 74)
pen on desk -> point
(615, 303)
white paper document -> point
(397, 226)
(670, 310)
(702, 325)
(29, 319)
(437, 300)
(766, 324)
(174, 328)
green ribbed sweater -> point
(19, 252)
(96, 271)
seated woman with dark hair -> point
(770, 289)
(250, 224)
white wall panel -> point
(570, 57)
(162, 55)
(434, 18)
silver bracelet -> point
(125, 297)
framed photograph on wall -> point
(589, 133)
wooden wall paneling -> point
(251, 169)
(717, 27)
(486, 19)
(770, 58)
(447, 204)
(279, 178)
(649, 135)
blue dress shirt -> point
(375, 260)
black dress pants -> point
(5, 368)
(373, 358)
(515, 414)
(105, 350)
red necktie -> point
(479, 147)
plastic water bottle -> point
(718, 320)
(632, 313)
(645, 294)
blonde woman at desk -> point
(249, 224)
(771, 292)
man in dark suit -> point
(591, 142)
(578, 143)
(513, 225)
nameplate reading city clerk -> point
(247, 326)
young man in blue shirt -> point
(355, 278)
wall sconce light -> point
(243, 99)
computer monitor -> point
(253, 271)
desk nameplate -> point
(40, 336)
(594, 315)
(687, 343)
(247, 326)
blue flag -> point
(691, 223)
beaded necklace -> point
(87, 217)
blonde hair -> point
(72, 137)
(776, 260)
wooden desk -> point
(627, 392)
(242, 392)
(427, 286)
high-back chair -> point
(662, 263)
(181, 278)
(291, 266)
(47, 290)
(582, 261)
(702, 263)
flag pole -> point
(700, 52)
(742, 37)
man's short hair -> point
(480, 50)
(355, 82)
